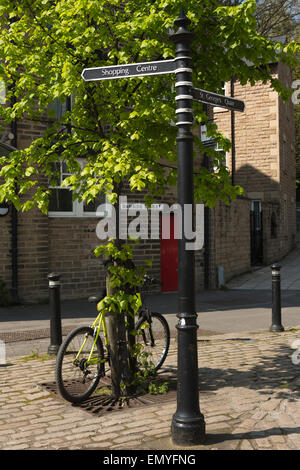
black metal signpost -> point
(188, 425)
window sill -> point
(61, 215)
(220, 110)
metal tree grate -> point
(104, 403)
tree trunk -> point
(113, 338)
(119, 353)
(116, 330)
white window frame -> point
(204, 137)
(224, 89)
(219, 149)
(78, 206)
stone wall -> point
(264, 166)
(232, 238)
(33, 256)
(5, 249)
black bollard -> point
(276, 299)
(55, 320)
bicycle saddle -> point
(95, 299)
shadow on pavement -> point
(272, 374)
(223, 437)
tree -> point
(44, 47)
(296, 78)
(274, 17)
(277, 17)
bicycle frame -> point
(101, 322)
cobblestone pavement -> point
(249, 396)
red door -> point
(169, 254)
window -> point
(58, 108)
(223, 90)
(222, 156)
(61, 203)
(209, 141)
(204, 137)
(61, 198)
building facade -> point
(257, 229)
(260, 227)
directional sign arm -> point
(129, 70)
(214, 99)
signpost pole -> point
(188, 426)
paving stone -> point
(245, 445)
(212, 427)
(256, 414)
(22, 446)
(217, 419)
(104, 437)
(99, 445)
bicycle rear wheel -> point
(75, 378)
(154, 336)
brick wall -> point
(33, 256)
(287, 166)
(32, 234)
(71, 253)
(256, 139)
(5, 249)
(264, 167)
(232, 238)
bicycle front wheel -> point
(77, 376)
(153, 334)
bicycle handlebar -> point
(150, 280)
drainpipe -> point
(206, 248)
(206, 227)
(14, 225)
(232, 135)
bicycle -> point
(82, 359)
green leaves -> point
(124, 278)
(43, 52)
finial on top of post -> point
(182, 23)
(182, 19)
